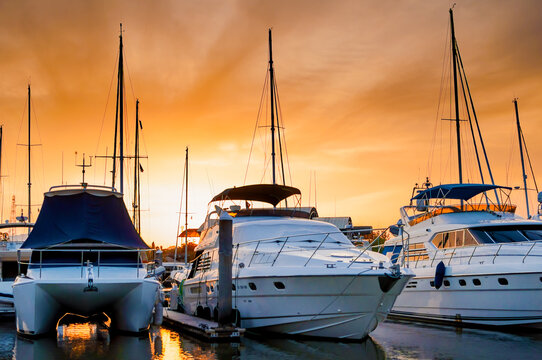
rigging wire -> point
(440, 96)
(107, 103)
(529, 159)
(180, 214)
(256, 126)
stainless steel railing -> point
(489, 252)
(138, 262)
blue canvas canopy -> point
(456, 191)
(83, 215)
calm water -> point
(392, 340)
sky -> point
(360, 83)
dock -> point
(207, 330)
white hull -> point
(489, 304)
(329, 306)
(39, 303)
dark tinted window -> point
(446, 283)
(503, 281)
(252, 286)
(476, 282)
(462, 282)
(533, 234)
(481, 236)
(279, 285)
(506, 236)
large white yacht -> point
(291, 275)
(86, 258)
(476, 261)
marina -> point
(292, 230)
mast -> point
(522, 160)
(29, 146)
(119, 120)
(136, 203)
(1, 181)
(458, 134)
(186, 211)
(121, 114)
(272, 92)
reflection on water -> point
(391, 340)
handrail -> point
(139, 264)
(441, 254)
(81, 186)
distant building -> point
(344, 223)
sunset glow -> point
(359, 85)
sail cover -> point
(83, 215)
(269, 193)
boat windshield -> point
(488, 235)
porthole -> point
(432, 283)
(279, 285)
(462, 282)
(252, 286)
(476, 282)
(503, 281)
(233, 287)
(446, 283)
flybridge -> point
(456, 191)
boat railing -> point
(490, 253)
(323, 241)
(435, 210)
(97, 263)
(82, 186)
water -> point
(391, 340)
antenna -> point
(83, 166)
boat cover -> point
(83, 215)
(456, 191)
(268, 193)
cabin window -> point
(462, 282)
(506, 236)
(533, 234)
(452, 239)
(195, 290)
(279, 285)
(432, 283)
(476, 282)
(233, 287)
(469, 239)
(503, 281)
(252, 286)
(446, 283)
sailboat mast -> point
(121, 115)
(29, 146)
(457, 128)
(272, 92)
(135, 204)
(186, 211)
(522, 160)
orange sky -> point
(358, 82)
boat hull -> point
(338, 306)
(489, 304)
(40, 303)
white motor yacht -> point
(86, 258)
(291, 275)
(476, 261)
